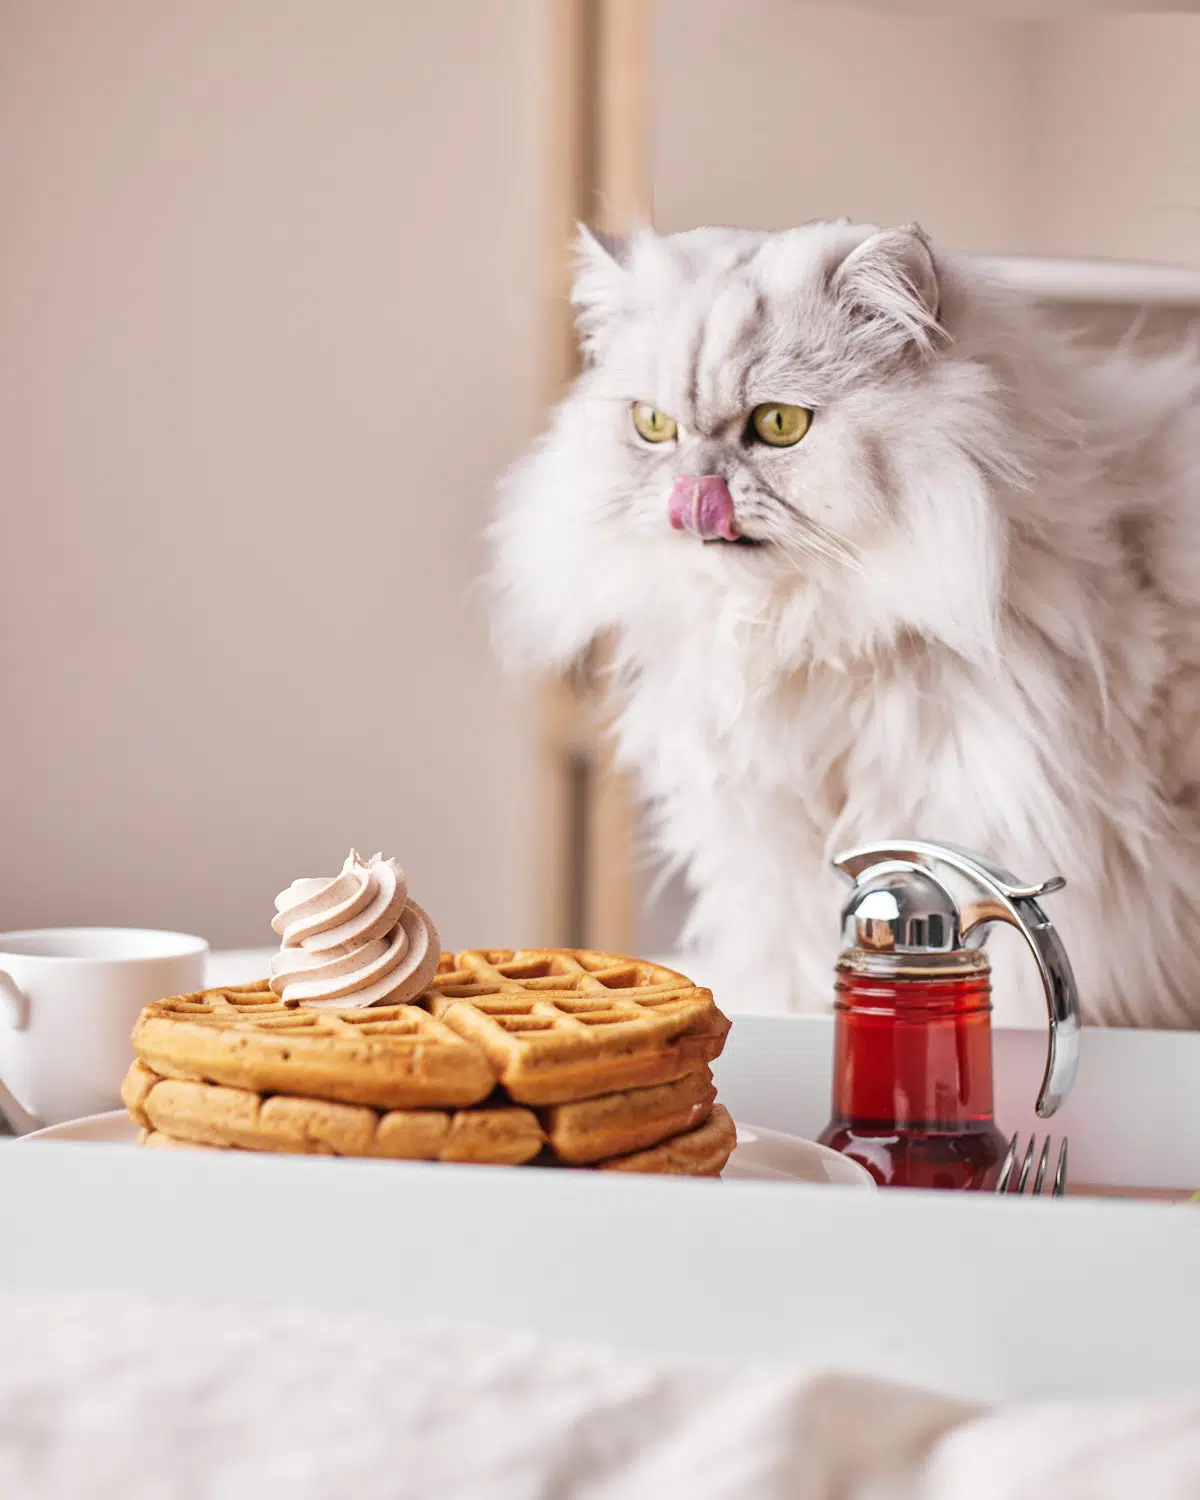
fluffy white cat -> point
(881, 554)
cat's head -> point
(793, 421)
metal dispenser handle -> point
(1005, 899)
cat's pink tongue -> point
(705, 506)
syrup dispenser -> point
(912, 1072)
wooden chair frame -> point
(599, 174)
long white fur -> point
(975, 615)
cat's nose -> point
(704, 505)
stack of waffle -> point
(549, 1056)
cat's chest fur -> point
(757, 774)
(834, 750)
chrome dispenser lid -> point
(896, 907)
(902, 904)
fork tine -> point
(1026, 1163)
(1060, 1174)
(1011, 1180)
(1006, 1167)
(1043, 1162)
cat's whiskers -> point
(802, 540)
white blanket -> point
(111, 1399)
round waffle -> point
(392, 1056)
(552, 1026)
(210, 1114)
(560, 1024)
(702, 1152)
(591, 1130)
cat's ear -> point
(889, 286)
(600, 286)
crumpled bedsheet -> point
(110, 1398)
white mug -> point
(68, 999)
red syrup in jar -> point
(912, 1073)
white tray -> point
(969, 1293)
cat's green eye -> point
(780, 426)
(655, 426)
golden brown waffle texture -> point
(395, 1056)
(558, 1054)
(577, 1134)
(212, 1114)
(560, 1024)
(551, 1025)
(702, 1152)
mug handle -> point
(14, 1003)
(14, 1012)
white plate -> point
(112, 1129)
(760, 1155)
(770, 1156)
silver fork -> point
(1006, 1183)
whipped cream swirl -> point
(354, 940)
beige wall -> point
(1119, 106)
(1068, 136)
(267, 334)
(769, 112)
